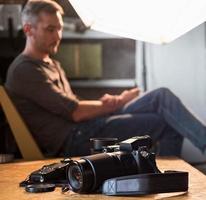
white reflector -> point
(156, 21)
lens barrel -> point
(88, 174)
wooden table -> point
(13, 173)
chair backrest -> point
(26, 143)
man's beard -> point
(53, 48)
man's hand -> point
(117, 101)
(112, 101)
(128, 95)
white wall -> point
(181, 66)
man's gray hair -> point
(33, 8)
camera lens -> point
(80, 176)
(75, 177)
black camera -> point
(126, 168)
(130, 157)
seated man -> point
(61, 123)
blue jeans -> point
(158, 113)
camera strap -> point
(151, 183)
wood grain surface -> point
(13, 173)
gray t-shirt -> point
(43, 96)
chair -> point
(27, 145)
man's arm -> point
(107, 104)
(90, 109)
